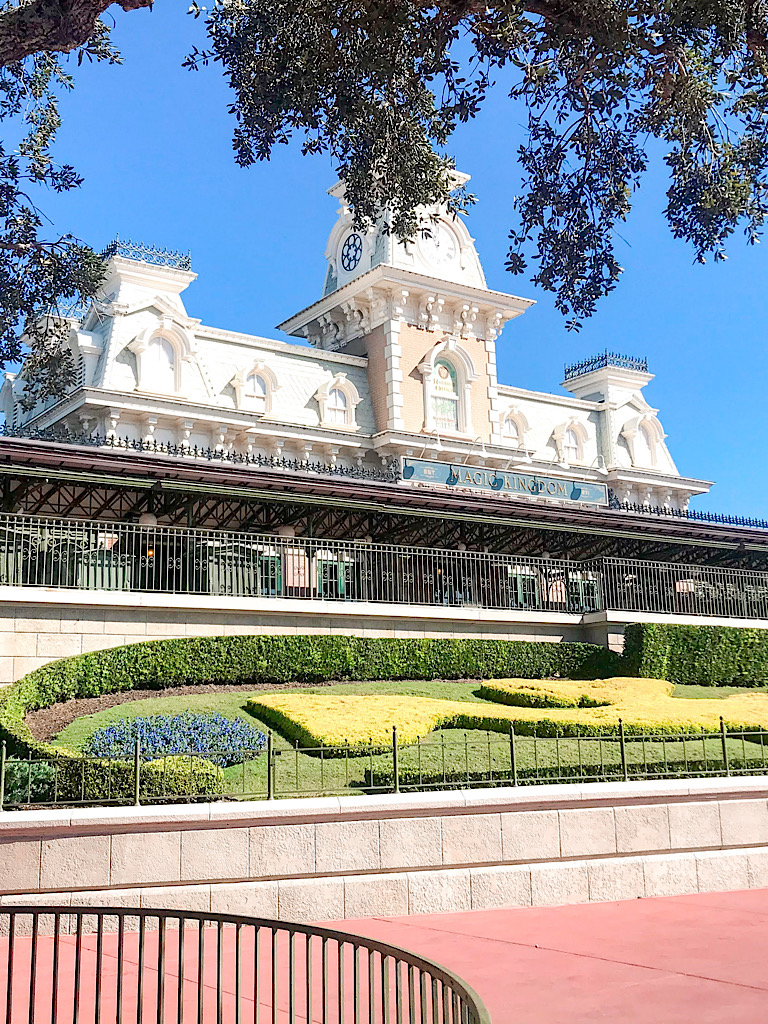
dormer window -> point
(571, 446)
(445, 397)
(336, 407)
(256, 392)
(255, 388)
(338, 399)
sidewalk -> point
(674, 960)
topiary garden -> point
(196, 747)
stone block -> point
(89, 622)
(501, 886)
(145, 858)
(694, 825)
(177, 897)
(126, 623)
(376, 896)
(471, 839)
(643, 828)
(166, 630)
(743, 822)
(530, 835)
(314, 899)
(587, 832)
(280, 850)
(20, 865)
(18, 645)
(347, 846)
(758, 869)
(58, 645)
(101, 642)
(251, 899)
(721, 870)
(410, 842)
(670, 874)
(44, 620)
(621, 878)
(75, 862)
(214, 854)
(558, 884)
(439, 892)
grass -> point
(459, 754)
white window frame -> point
(340, 382)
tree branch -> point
(52, 25)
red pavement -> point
(676, 960)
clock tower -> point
(422, 314)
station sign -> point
(500, 481)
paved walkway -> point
(676, 960)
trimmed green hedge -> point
(706, 655)
(157, 664)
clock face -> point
(351, 252)
(441, 246)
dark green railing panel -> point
(36, 551)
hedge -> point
(707, 655)
(158, 664)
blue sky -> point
(154, 144)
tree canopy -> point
(381, 85)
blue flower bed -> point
(225, 741)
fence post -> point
(512, 753)
(395, 759)
(270, 761)
(723, 738)
(137, 773)
(2, 776)
(623, 749)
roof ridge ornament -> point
(603, 360)
(141, 253)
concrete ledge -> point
(350, 896)
(428, 851)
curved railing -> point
(130, 966)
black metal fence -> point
(447, 759)
(97, 964)
(36, 551)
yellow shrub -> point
(642, 704)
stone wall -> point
(38, 626)
(326, 859)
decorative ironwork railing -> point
(602, 360)
(36, 551)
(148, 254)
(388, 474)
(102, 963)
(72, 309)
(692, 514)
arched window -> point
(336, 407)
(512, 432)
(159, 369)
(256, 392)
(445, 397)
(570, 446)
(645, 447)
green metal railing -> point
(96, 964)
(36, 551)
(448, 759)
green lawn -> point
(448, 756)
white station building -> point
(372, 475)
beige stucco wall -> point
(409, 854)
(415, 345)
